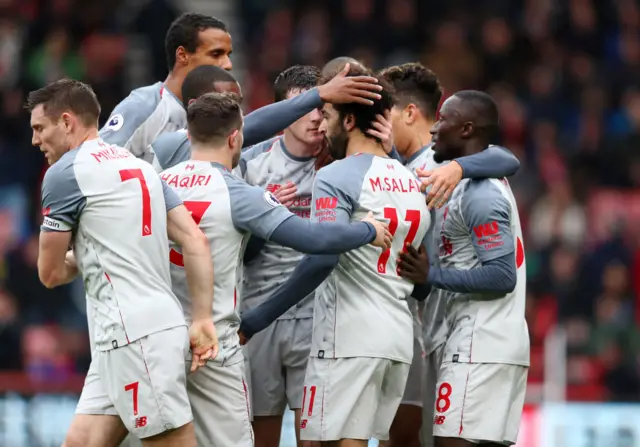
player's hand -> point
(383, 236)
(70, 259)
(383, 130)
(443, 180)
(203, 340)
(243, 338)
(286, 194)
(414, 264)
(323, 156)
(343, 89)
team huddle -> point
(364, 268)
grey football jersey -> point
(433, 326)
(137, 121)
(481, 223)
(116, 205)
(226, 209)
(269, 166)
(361, 309)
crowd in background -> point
(565, 74)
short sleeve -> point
(253, 209)
(171, 198)
(487, 214)
(330, 201)
(62, 199)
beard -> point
(439, 157)
(337, 143)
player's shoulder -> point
(264, 149)
(168, 141)
(135, 108)
(423, 159)
(484, 192)
(62, 169)
(352, 166)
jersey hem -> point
(107, 346)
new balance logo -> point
(141, 422)
(439, 420)
(486, 230)
(325, 203)
(46, 211)
(272, 187)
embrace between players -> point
(348, 320)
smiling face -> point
(450, 131)
(214, 48)
(50, 136)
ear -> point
(182, 57)
(67, 120)
(191, 101)
(349, 122)
(233, 138)
(467, 130)
(410, 114)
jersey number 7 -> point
(130, 174)
(197, 210)
(412, 216)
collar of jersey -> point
(217, 165)
(289, 154)
(417, 154)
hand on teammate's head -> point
(383, 130)
(344, 89)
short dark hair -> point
(483, 110)
(334, 66)
(414, 83)
(212, 116)
(202, 80)
(365, 114)
(184, 31)
(298, 77)
(66, 95)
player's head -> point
(468, 118)
(335, 66)
(342, 121)
(197, 39)
(60, 112)
(208, 79)
(292, 82)
(417, 94)
(215, 121)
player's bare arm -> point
(199, 272)
(493, 162)
(53, 268)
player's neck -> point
(212, 155)
(296, 147)
(82, 136)
(421, 138)
(474, 147)
(173, 83)
(359, 144)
